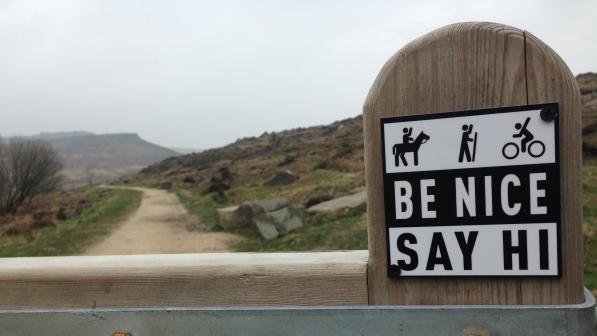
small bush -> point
(189, 180)
(166, 185)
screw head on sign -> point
(394, 271)
(548, 113)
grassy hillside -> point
(95, 213)
(328, 160)
(588, 90)
(590, 222)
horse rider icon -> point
(408, 145)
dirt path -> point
(159, 226)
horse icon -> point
(407, 147)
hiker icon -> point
(527, 145)
(465, 147)
(409, 145)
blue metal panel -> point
(571, 320)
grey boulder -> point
(271, 218)
(358, 200)
(281, 178)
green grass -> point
(590, 222)
(202, 206)
(340, 231)
(321, 181)
(72, 236)
(322, 232)
(249, 193)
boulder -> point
(271, 217)
(224, 174)
(220, 182)
(320, 198)
(61, 214)
(189, 180)
(266, 229)
(288, 159)
(281, 178)
(230, 218)
(358, 200)
(285, 219)
(267, 205)
(217, 187)
(278, 214)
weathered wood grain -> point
(184, 280)
(462, 67)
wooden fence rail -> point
(184, 280)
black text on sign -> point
(473, 193)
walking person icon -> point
(465, 146)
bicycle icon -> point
(511, 149)
(536, 148)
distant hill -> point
(101, 158)
(183, 150)
(60, 135)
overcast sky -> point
(202, 74)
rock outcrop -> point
(281, 178)
(230, 218)
(271, 218)
(354, 201)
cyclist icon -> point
(534, 148)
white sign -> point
(473, 193)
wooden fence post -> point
(469, 66)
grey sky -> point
(202, 74)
